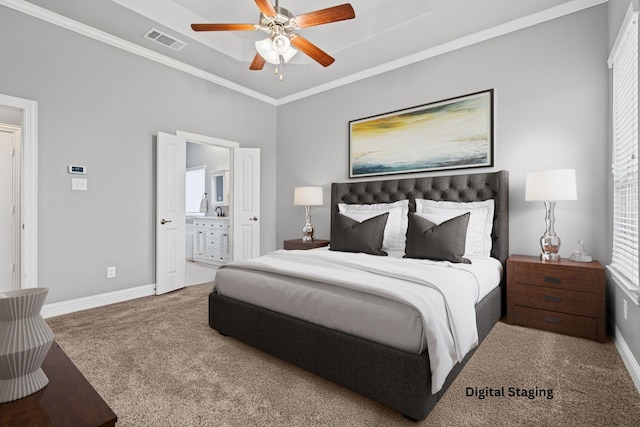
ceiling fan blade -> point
(311, 50)
(325, 16)
(266, 7)
(257, 63)
(223, 27)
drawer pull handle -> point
(552, 298)
(551, 319)
(552, 280)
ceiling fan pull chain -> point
(281, 68)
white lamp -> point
(549, 187)
(307, 197)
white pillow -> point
(395, 232)
(478, 242)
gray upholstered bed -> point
(396, 378)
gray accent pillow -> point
(444, 242)
(349, 235)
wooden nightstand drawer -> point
(572, 302)
(581, 326)
(555, 276)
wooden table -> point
(560, 296)
(68, 399)
(299, 244)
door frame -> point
(28, 188)
(210, 140)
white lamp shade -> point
(551, 185)
(307, 196)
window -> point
(194, 190)
(624, 63)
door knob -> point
(255, 218)
(164, 221)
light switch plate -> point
(79, 184)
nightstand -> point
(561, 296)
(299, 244)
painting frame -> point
(453, 133)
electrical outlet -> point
(111, 272)
(624, 308)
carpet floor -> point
(156, 362)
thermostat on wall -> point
(77, 169)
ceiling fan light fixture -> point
(266, 49)
(281, 25)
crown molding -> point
(546, 15)
(85, 30)
(481, 36)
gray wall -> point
(629, 327)
(100, 107)
(551, 95)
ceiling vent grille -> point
(164, 39)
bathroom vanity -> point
(211, 241)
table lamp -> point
(307, 197)
(549, 187)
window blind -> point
(624, 62)
(194, 189)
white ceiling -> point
(384, 35)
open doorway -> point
(208, 168)
(243, 235)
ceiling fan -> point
(281, 25)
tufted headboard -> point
(456, 188)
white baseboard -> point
(85, 303)
(627, 357)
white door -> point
(170, 213)
(246, 203)
(9, 208)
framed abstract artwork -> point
(455, 133)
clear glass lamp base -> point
(550, 245)
(307, 230)
(307, 233)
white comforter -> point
(444, 293)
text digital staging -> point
(529, 393)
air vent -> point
(164, 39)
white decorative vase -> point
(25, 339)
